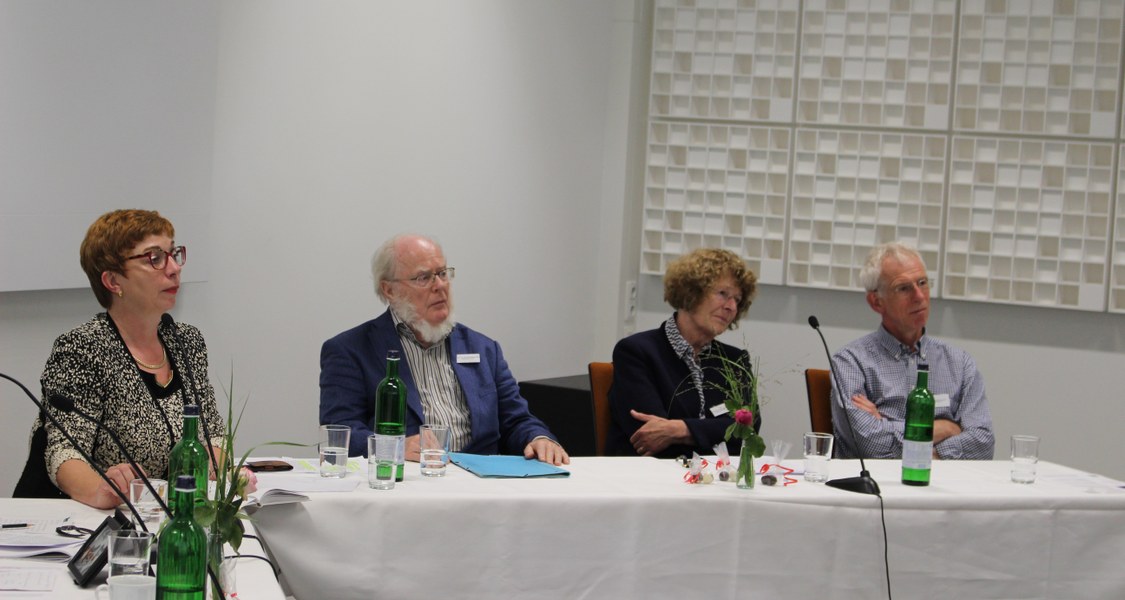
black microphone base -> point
(863, 484)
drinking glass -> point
(434, 443)
(129, 552)
(147, 504)
(381, 453)
(333, 447)
(1025, 458)
(818, 449)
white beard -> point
(429, 334)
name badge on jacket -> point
(468, 358)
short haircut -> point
(384, 260)
(110, 237)
(690, 278)
(872, 269)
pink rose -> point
(743, 416)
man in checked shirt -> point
(879, 369)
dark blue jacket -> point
(648, 377)
(354, 362)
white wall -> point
(340, 124)
(509, 129)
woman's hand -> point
(657, 433)
(83, 484)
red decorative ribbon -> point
(696, 477)
(785, 473)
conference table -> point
(632, 528)
(255, 579)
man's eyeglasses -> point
(906, 289)
(158, 258)
(423, 280)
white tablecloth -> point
(631, 528)
(255, 578)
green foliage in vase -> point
(740, 395)
(223, 513)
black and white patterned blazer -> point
(92, 366)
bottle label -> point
(917, 455)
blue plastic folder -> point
(505, 466)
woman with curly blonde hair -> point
(665, 399)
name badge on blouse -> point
(468, 358)
(941, 400)
(719, 409)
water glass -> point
(818, 449)
(127, 587)
(333, 447)
(1025, 457)
(382, 451)
(146, 504)
(434, 445)
(129, 552)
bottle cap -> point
(191, 410)
(923, 367)
(185, 483)
(392, 354)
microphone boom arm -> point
(863, 484)
(89, 459)
(67, 405)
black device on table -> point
(89, 560)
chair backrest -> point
(601, 377)
(819, 388)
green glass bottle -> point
(181, 565)
(189, 457)
(918, 434)
(390, 410)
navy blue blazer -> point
(648, 377)
(354, 362)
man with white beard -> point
(454, 376)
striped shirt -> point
(443, 400)
(881, 368)
(687, 354)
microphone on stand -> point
(85, 455)
(863, 484)
(66, 405)
(188, 379)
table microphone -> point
(863, 484)
(89, 460)
(188, 378)
(189, 383)
(66, 405)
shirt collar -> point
(681, 346)
(897, 349)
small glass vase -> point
(744, 477)
(222, 568)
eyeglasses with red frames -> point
(158, 257)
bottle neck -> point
(923, 379)
(183, 504)
(392, 367)
(191, 427)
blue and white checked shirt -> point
(884, 370)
